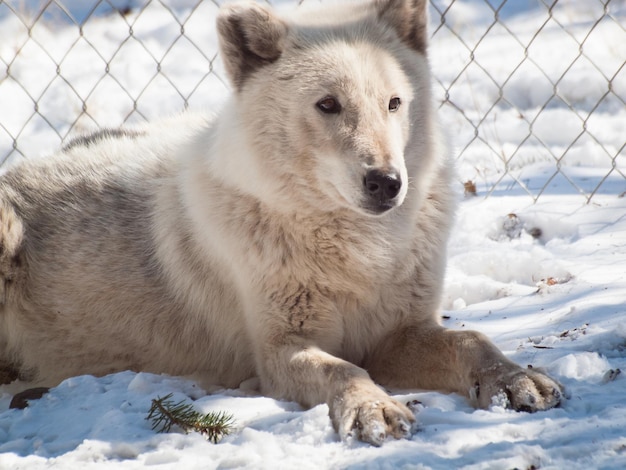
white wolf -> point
(299, 237)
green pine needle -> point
(164, 414)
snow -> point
(546, 280)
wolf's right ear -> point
(250, 36)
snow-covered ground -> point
(546, 281)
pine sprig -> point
(164, 414)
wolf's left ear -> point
(409, 18)
(250, 36)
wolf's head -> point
(332, 102)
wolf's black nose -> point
(382, 186)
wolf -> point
(298, 237)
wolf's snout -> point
(382, 186)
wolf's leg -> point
(465, 362)
(357, 406)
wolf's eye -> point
(329, 105)
(394, 104)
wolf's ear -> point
(409, 18)
(250, 36)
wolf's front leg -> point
(357, 406)
(464, 362)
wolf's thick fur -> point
(299, 237)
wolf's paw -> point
(370, 415)
(522, 390)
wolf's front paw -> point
(369, 414)
(522, 390)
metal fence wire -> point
(532, 93)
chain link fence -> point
(532, 93)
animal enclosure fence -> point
(531, 93)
